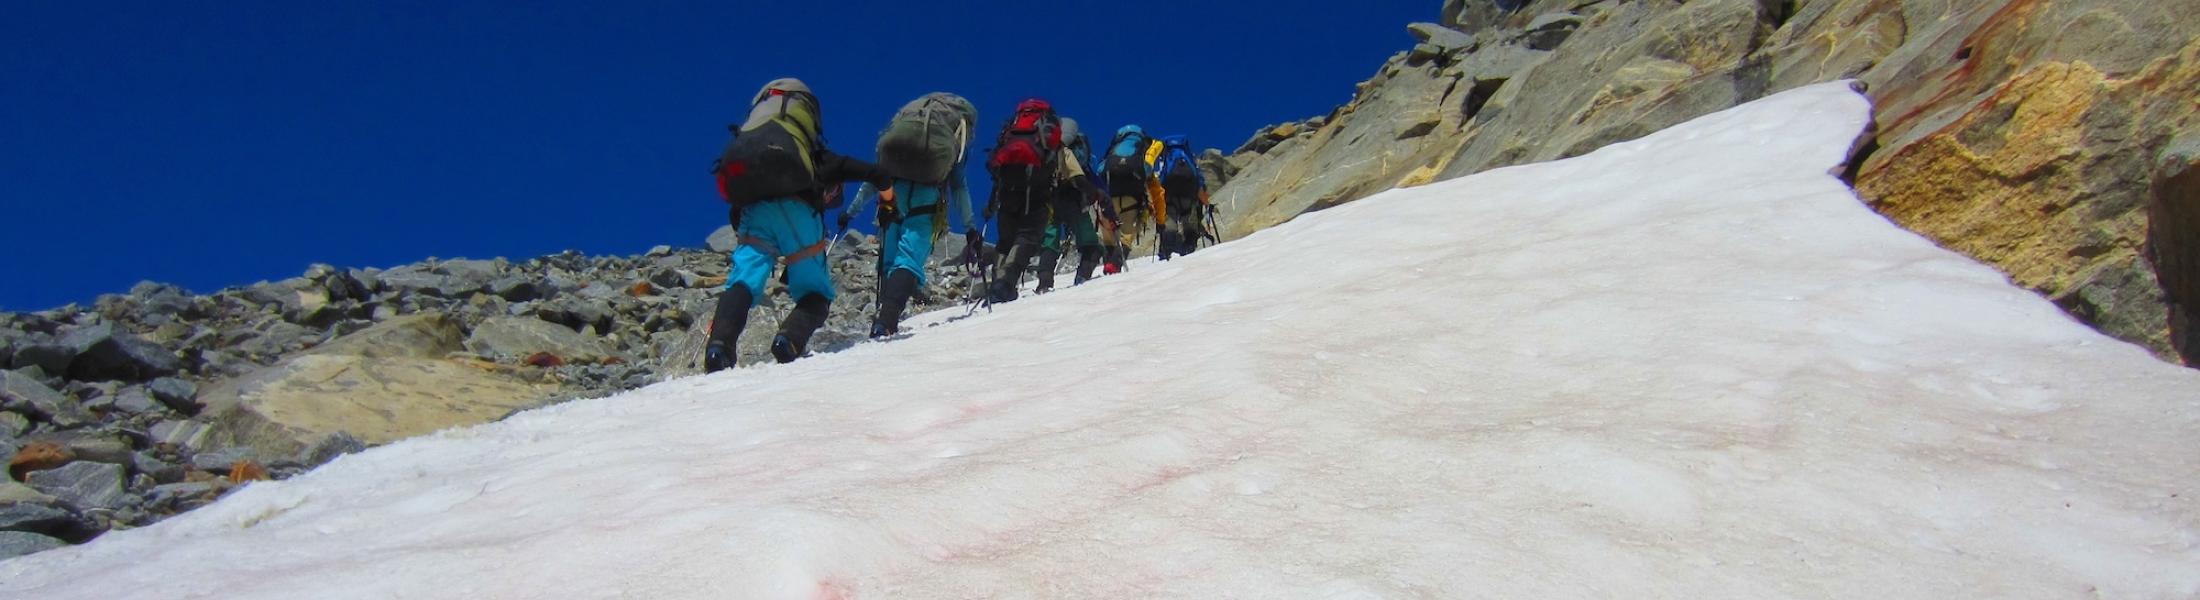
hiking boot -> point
(1002, 291)
(795, 330)
(784, 349)
(880, 332)
(716, 358)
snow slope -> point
(1687, 366)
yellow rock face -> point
(2005, 197)
(381, 385)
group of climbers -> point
(1048, 188)
(1159, 181)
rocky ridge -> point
(2050, 139)
(157, 401)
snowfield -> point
(1688, 366)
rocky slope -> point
(2050, 138)
(157, 401)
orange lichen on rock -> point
(38, 456)
(245, 470)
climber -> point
(1029, 163)
(923, 147)
(777, 176)
(1129, 173)
(1185, 189)
(1073, 220)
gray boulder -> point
(49, 355)
(35, 518)
(1447, 39)
(83, 484)
(104, 354)
(1550, 30)
(511, 339)
(516, 288)
(723, 239)
(13, 424)
(420, 279)
(470, 275)
(21, 393)
(18, 543)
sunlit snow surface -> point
(1690, 366)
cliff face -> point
(2035, 135)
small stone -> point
(135, 400)
(13, 424)
(659, 250)
(187, 435)
(96, 447)
(35, 518)
(330, 447)
(88, 485)
(152, 466)
(180, 493)
(220, 461)
(18, 543)
(516, 289)
(176, 394)
(25, 394)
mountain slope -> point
(1689, 365)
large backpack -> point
(1125, 165)
(1030, 143)
(774, 153)
(1179, 172)
(926, 139)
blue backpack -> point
(1130, 142)
(1179, 171)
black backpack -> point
(773, 153)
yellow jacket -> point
(1156, 199)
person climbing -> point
(1073, 220)
(1185, 190)
(777, 176)
(1029, 163)
(923, 148)
(1128, 170)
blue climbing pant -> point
(776, 228)
(907, 246)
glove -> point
(844, 219)
(973, 245)
(990, 209)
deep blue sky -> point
(222, 143)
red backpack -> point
(1030, 143)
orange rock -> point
(641, 288)
(543, 359)
(245, 470)
(38, 456)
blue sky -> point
(219, 144)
